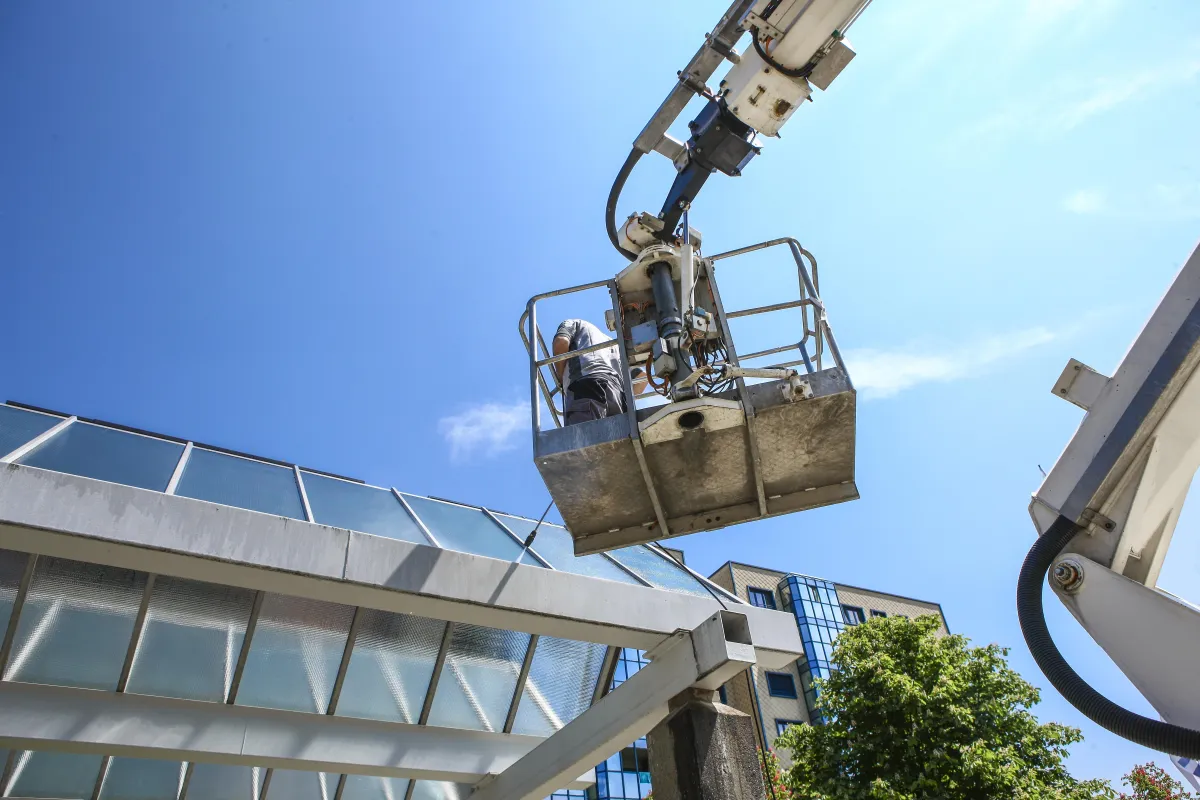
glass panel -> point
(64, 776)
(242, 483)
(294, 784)
(294, 654)
(75, 608)
(18, 426)
(659, 571)
(467, 530)
(142, 779)
(390, 667)
(362, 787)
(561, 682)
(110, 455)
(477, 682)
(358, 507)
(438, 790)
(12, 566)
(555, 545)
(223, 782)
(191, 640)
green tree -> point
(1151, 782)
(773, 776)
(912, 715)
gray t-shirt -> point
(598, 363)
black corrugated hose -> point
(614, 194)
(1155, 734)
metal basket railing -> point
(545, 385)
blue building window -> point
(781, 684)
(721, 693)
(626, 775)
(782, 725)
(853, 615)
(763, 598)
(877, 613)
(820, 617)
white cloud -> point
(1085, 201)
(884, 373)
(1162, 202)
(1065, 105)
(486, 429)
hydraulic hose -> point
(614, 194)
(1155, 734)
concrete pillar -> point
(704, 751)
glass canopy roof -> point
(83, 625)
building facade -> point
(775, 699)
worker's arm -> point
(560, 345)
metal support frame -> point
(37, 441)
(635, 434)
(340, 680)
(308, 514)
(624, 568)
(180, 466)
(420, 523)
(743, 396)
(519, 689)
(64, 719)
(18, 604)
(68, 516)
(6, 772)
(436, 676)
(517, 539)
(247, 639)
(717, 47)
(135, 638)
(187, 779)
(703, 658)
(661, 551)
(608, 668)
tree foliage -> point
(1151, 782)
(773, 776)
(912, 715)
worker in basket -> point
(592, 382)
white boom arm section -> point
(1106, 513)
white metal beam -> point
(1126, 471)
(704, 658)
(50, 513)
(57, 718)
(37, 441)
(1153, 637)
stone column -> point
(704, 751)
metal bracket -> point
(755, 21)
(1091, 516)
(1080, 385)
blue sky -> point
(307, 232)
